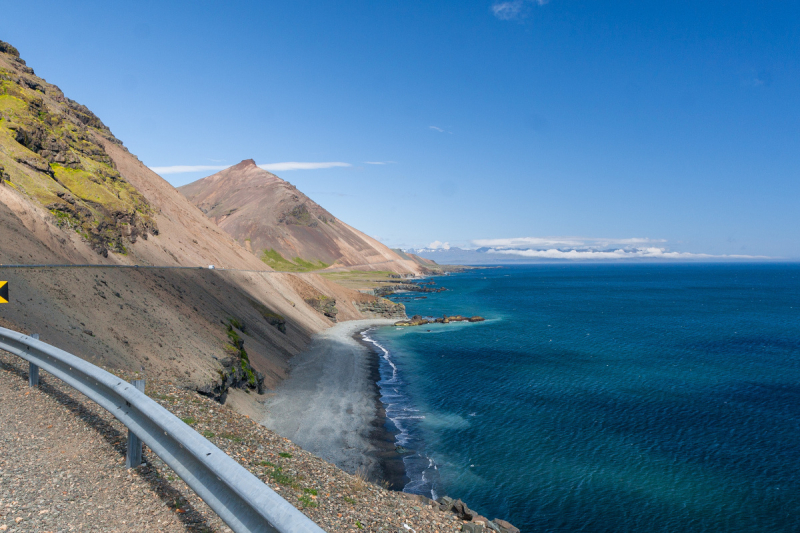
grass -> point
(189, 420)
(276, 261)
(279, 477)
(208, 434)
(360, 481)
(286, 455)
(306, 501)
(231, 436)
(359, 525)
(310, 491)
(267, 463)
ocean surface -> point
(641, 398)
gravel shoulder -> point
(62, 468)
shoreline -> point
(330, 404)
(390, 461)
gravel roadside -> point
(62, 468)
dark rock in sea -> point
(417, 320)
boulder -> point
(504, 526)
(463, 512)
(473, 528)
(445, 503)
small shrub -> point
(286, 455)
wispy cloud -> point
(380, 162)
(272, 167)
(436, 128)
(513, 9)
(182, 169)
(294, 165)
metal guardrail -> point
(239, 498)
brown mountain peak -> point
(245, 163)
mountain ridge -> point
(279, 223)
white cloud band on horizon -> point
(638, 253)
(276, 167)
(589, 242)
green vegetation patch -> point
(189, 420)
(54, 157)
(306, 501)
(276, 261)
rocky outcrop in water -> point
(418, 320)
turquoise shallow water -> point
(607, 398)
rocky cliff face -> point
(49, 150)
(283, 226)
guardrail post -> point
(133, 458)
(33, 370)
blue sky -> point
(675, 123)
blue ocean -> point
(619, 398)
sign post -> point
(3, 292)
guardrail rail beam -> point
(238, 497)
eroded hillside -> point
(284, 227)
(71, 193)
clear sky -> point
(673, 121)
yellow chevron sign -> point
(3, 292)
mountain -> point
(71, 193)
(284, 227)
